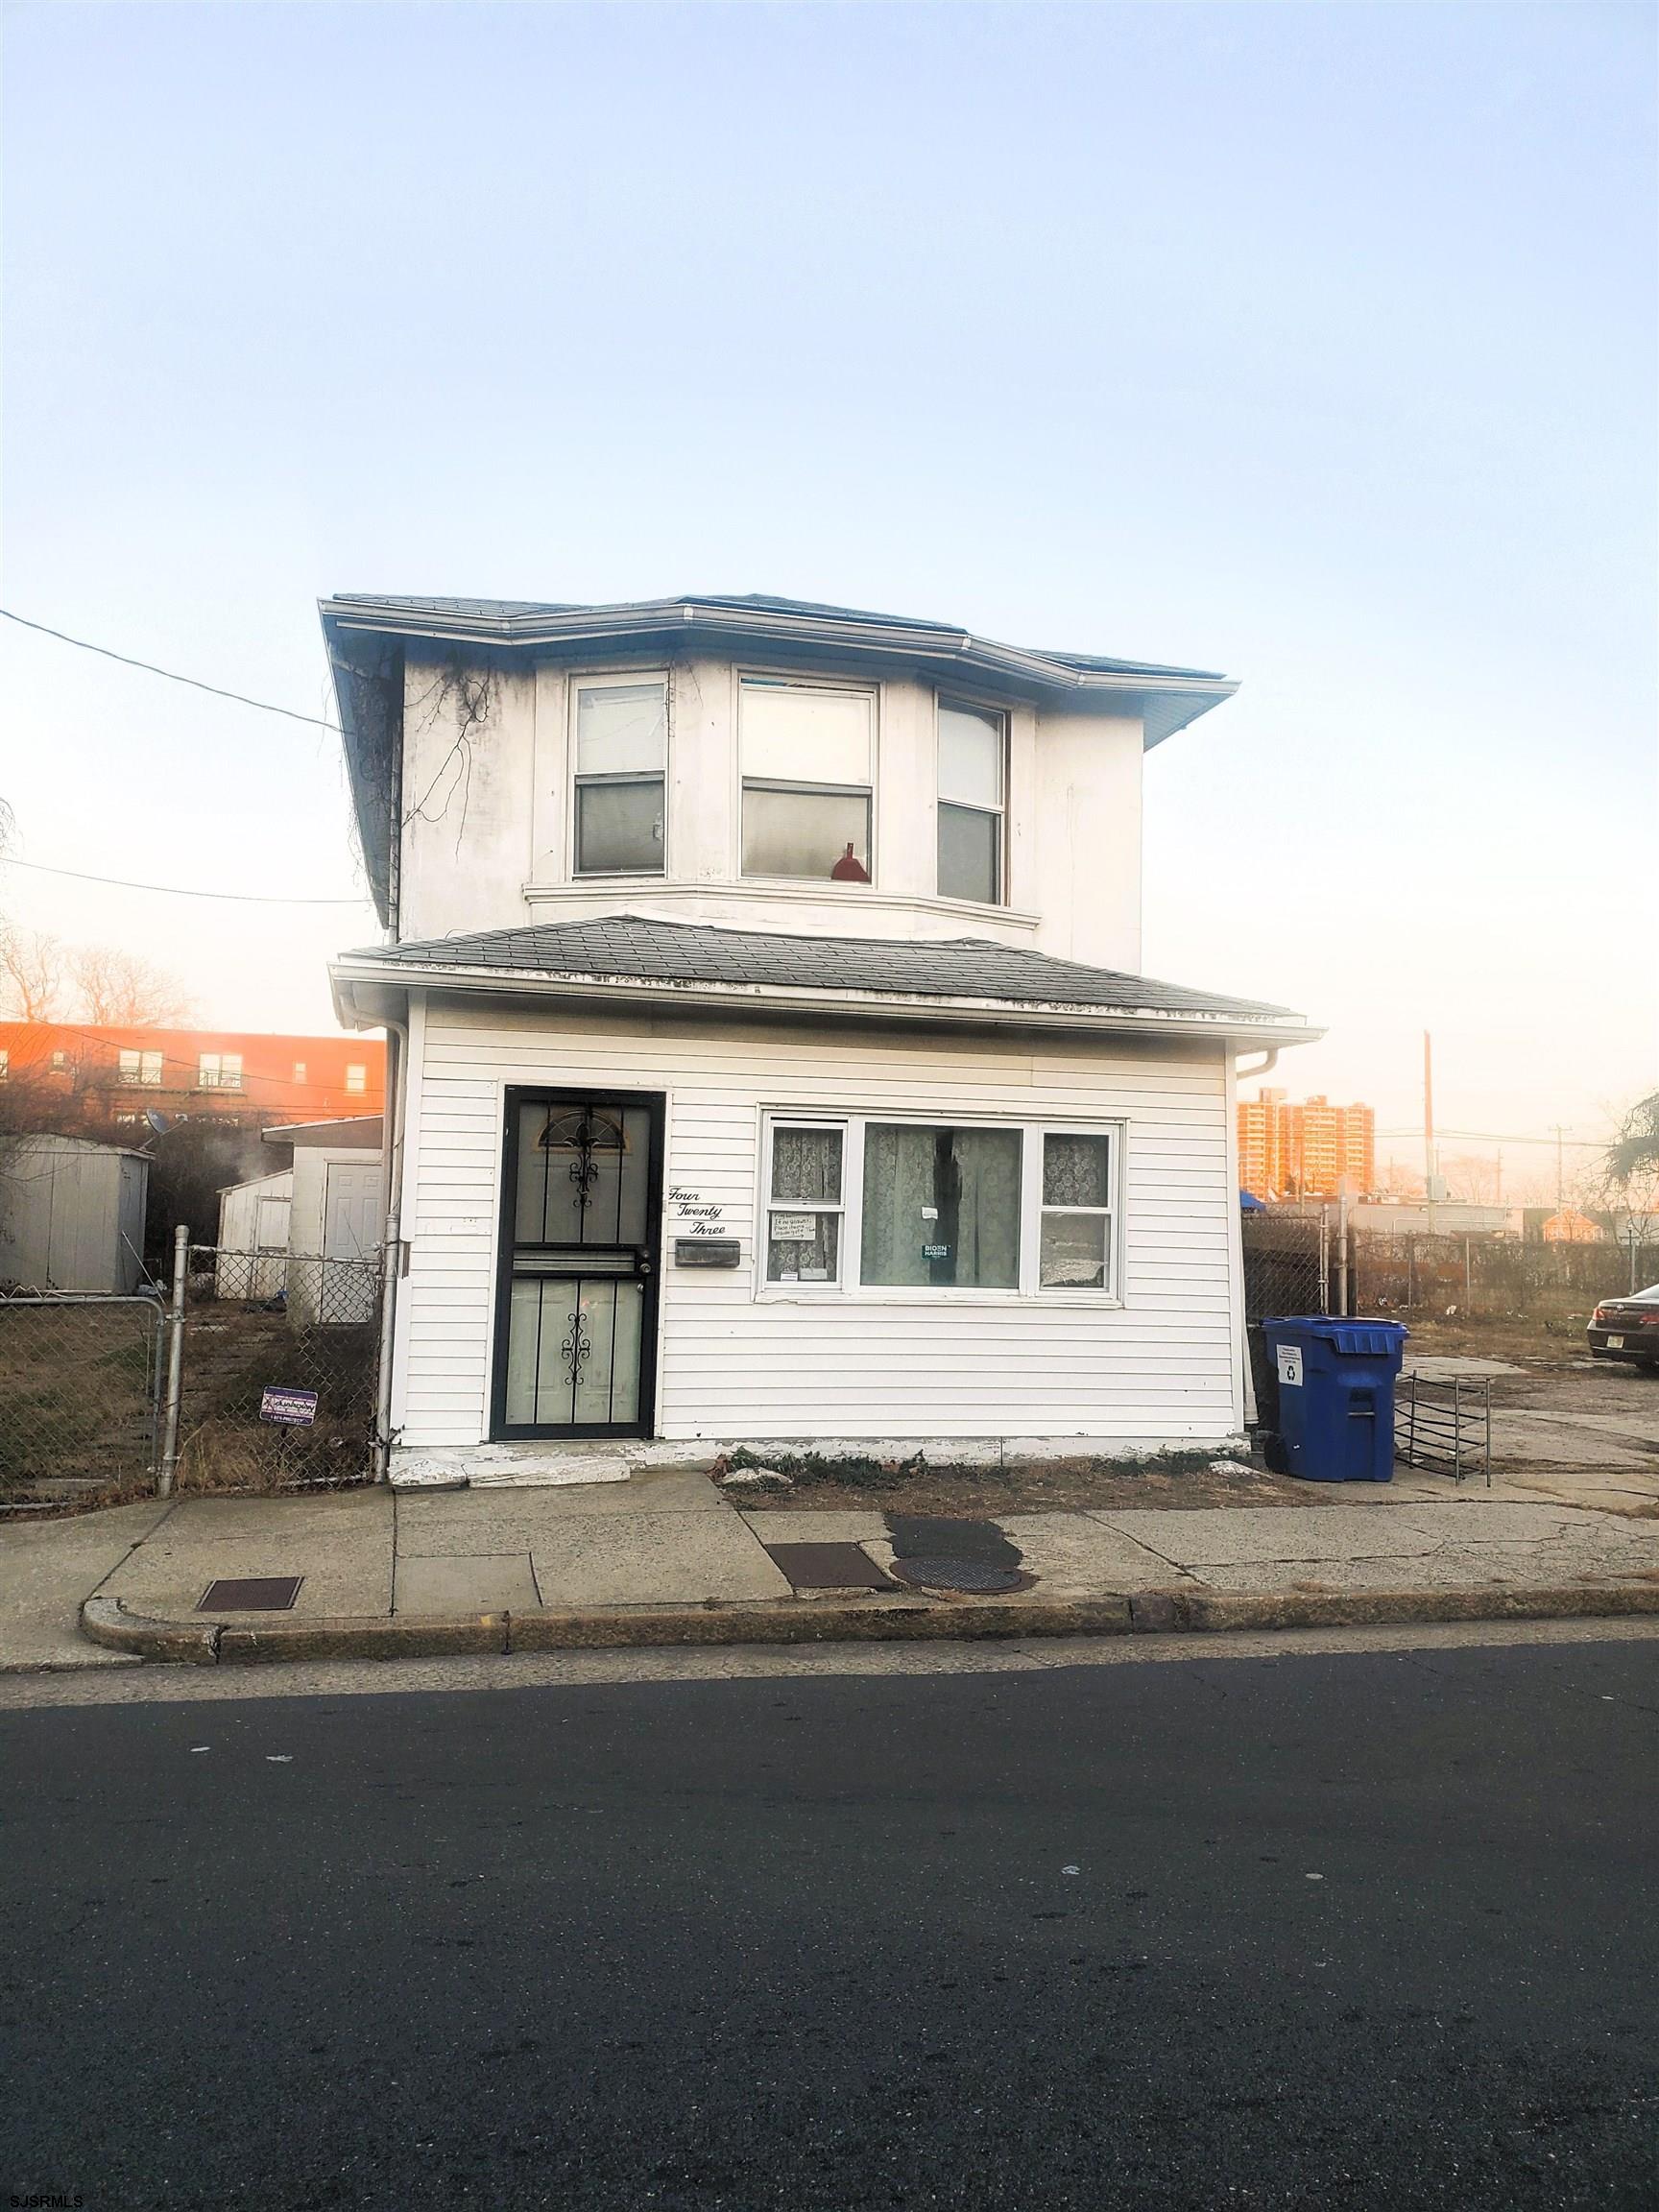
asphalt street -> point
(1357, 1929)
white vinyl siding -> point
(739, 1358)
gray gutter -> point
(1195, 689)
(372, 976)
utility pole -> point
(1429, 1125)
(1561, 1130)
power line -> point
(183, 891)
(127, 661)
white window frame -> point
(1029, 1290)
(145, 1073)
(770, 1205)
(1112, 1210)
(965, 705)
(614, 680)
(5, 1062)
(795, 679)
(357, 1078)
(213, 1074)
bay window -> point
(808, 755)
(862, 1205)
(622, 754)
(973, 774)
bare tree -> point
(118, 990)
(1399, 1183)
(1474, 1179)
(32, 969)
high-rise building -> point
(1305, 1150)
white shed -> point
(72, 1215)
(254, 1232)
(336, 1219)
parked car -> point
(1626, 1328)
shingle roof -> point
(637, 950)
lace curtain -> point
(956, 1190)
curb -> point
(107, 1622)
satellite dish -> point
(159, 1122)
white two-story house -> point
(772, 1058)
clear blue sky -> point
(1312, 342)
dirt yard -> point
(1027, 1487)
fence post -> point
(174, 1361)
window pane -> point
(621, 729)
(1077, 1170)
(804, 833)
(802, 1247)
(942, 1207)
(1073, 1255)
(806, 1165)
(796, 734)
(970, 756)
(619, 826)
(970, 857)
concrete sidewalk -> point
(665, 1556)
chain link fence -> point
(280, 1360)
(81, 1380)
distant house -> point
(1571, 1227)
(241, 1076)
(71, 1214)
(779, 1058)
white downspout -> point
(391, 1246)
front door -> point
(576, 1321)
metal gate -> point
(81, 1379)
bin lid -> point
(1363, 1336)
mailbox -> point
(707, 1252)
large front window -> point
(808, 754)
(941, 1207)
(621, 760)
(972, 772)
(860, 1205)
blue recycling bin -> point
(1336, 1384)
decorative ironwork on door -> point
(579, 1271)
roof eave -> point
(366, 990)
(1171, 697)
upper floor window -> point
(5, 1063)
(972, 778)
(219, 1072)
(60, 1061)
(356, 1075)
(299, 1071)
(140, 1067)
(622, 755)
(808, 754)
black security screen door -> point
(576, 1319)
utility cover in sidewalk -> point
(971, 1574)
(251, 1593)
(829, 1567)
(937, 1553)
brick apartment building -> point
(238, 1077)
(1307, 1149)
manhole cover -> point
(978, 1576)
(829, 1567)
(251, 1593)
